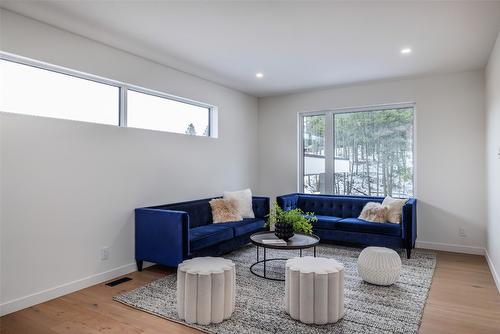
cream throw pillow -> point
(395, 208)
(224, 211)
(243, 199)
(374, 212)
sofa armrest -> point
(260, 206)
(161, 236)
(288, 202)
(409, 223)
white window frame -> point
(330, 140)
(123, 89)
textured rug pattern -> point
(259, 302)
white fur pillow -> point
(374, 212)
(243, 199)
(395, 208)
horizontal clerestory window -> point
(35, 88)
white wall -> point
(71, 187)
(450, 182)
(493, 159)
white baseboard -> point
(494, 273)
(450, 247)
(63, 289)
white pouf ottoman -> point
(379, 265)
(205, 290)
(314, 290)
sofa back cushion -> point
(260, 206)
(200, 212)
(337, 206)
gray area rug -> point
(259, 302)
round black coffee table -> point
(299, 241)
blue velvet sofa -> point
(338, 220)
(168, 234)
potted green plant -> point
(286, 223)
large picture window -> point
(362, 152)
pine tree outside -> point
(190, 130)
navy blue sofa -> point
(168, 234)
(338, 220)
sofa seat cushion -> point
(326, 222)
(360, 225)
(208, 235)
(245, 226)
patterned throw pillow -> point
(374, 212)
(224, 210)
(395, 208)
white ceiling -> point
(297, 45)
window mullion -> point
(329, 152)
(301, 154)
(123, 106)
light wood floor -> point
(463, 299)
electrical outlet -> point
(104, 253)
(461, 232)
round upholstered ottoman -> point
(314, 290)
(205, 290)
(379, 265)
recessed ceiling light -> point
(405, 51)
(259, 75)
